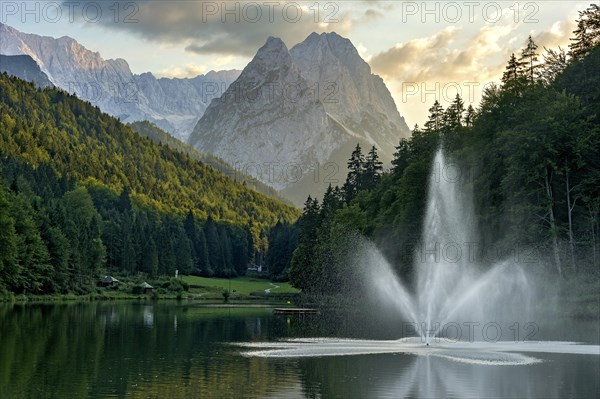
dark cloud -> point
(228, 28)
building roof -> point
(109, 279)
(146, 285)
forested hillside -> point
(529, 152)
(159, 136)
(81, 193)
(74, 137)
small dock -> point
(295, 311)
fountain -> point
(452, 288)
(453, 291)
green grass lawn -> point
(241, 285)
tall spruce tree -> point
(354, 179)
(373, 168)
(528, 61)
(436, 118)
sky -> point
(424, 50)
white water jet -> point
(451, 286)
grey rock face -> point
(291, 111)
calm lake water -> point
(181, 350)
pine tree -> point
(555, 62)
(166, 255)
(8, 238)
(587, 34)
(227, 252)
(373, 168)
(303, 268)
(150, 258)
(282, 242)
(401, 156)
(436, 118)
(203, 262)
(528, 60)
(183, 252)
(512, 71)
(355, 172)
(275, 259)
(83, 231)
(215, 252)
(453, 115)
(331, 202)
(191, 230)
(34, 271)
(469, 116)
(310, 220)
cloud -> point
(415, 58)
(437, 59)
(558, 35)
(190, 70)
(231, 28)
(422, 70)
(187, 71)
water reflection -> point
(107, 350)
(405, 376)
(149, 316)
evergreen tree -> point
(354, 179)
(373, 168)
(83, 231)
(436, 118)
(191, 230)
(512, 74)
(203, 262)
(587, 34)
(469, 116)
(183, 251)
(215, 252)
(555, 62)
(227, 253)
(33, 268)
(528, 60)
(166, 256)
(331, 202)
(8, 239)
(401, 156)
(150, 258)
(454, 114)
(282, 242)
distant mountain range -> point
(293, 116)
(175, 105)
(290, 119)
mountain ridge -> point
(24, 67)
(175, 105)
(297, 108)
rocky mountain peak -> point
(325, 100)
(272, 54)
(175, 105)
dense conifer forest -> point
(80, 192)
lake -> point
(183, 350)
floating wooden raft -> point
(295, 311)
